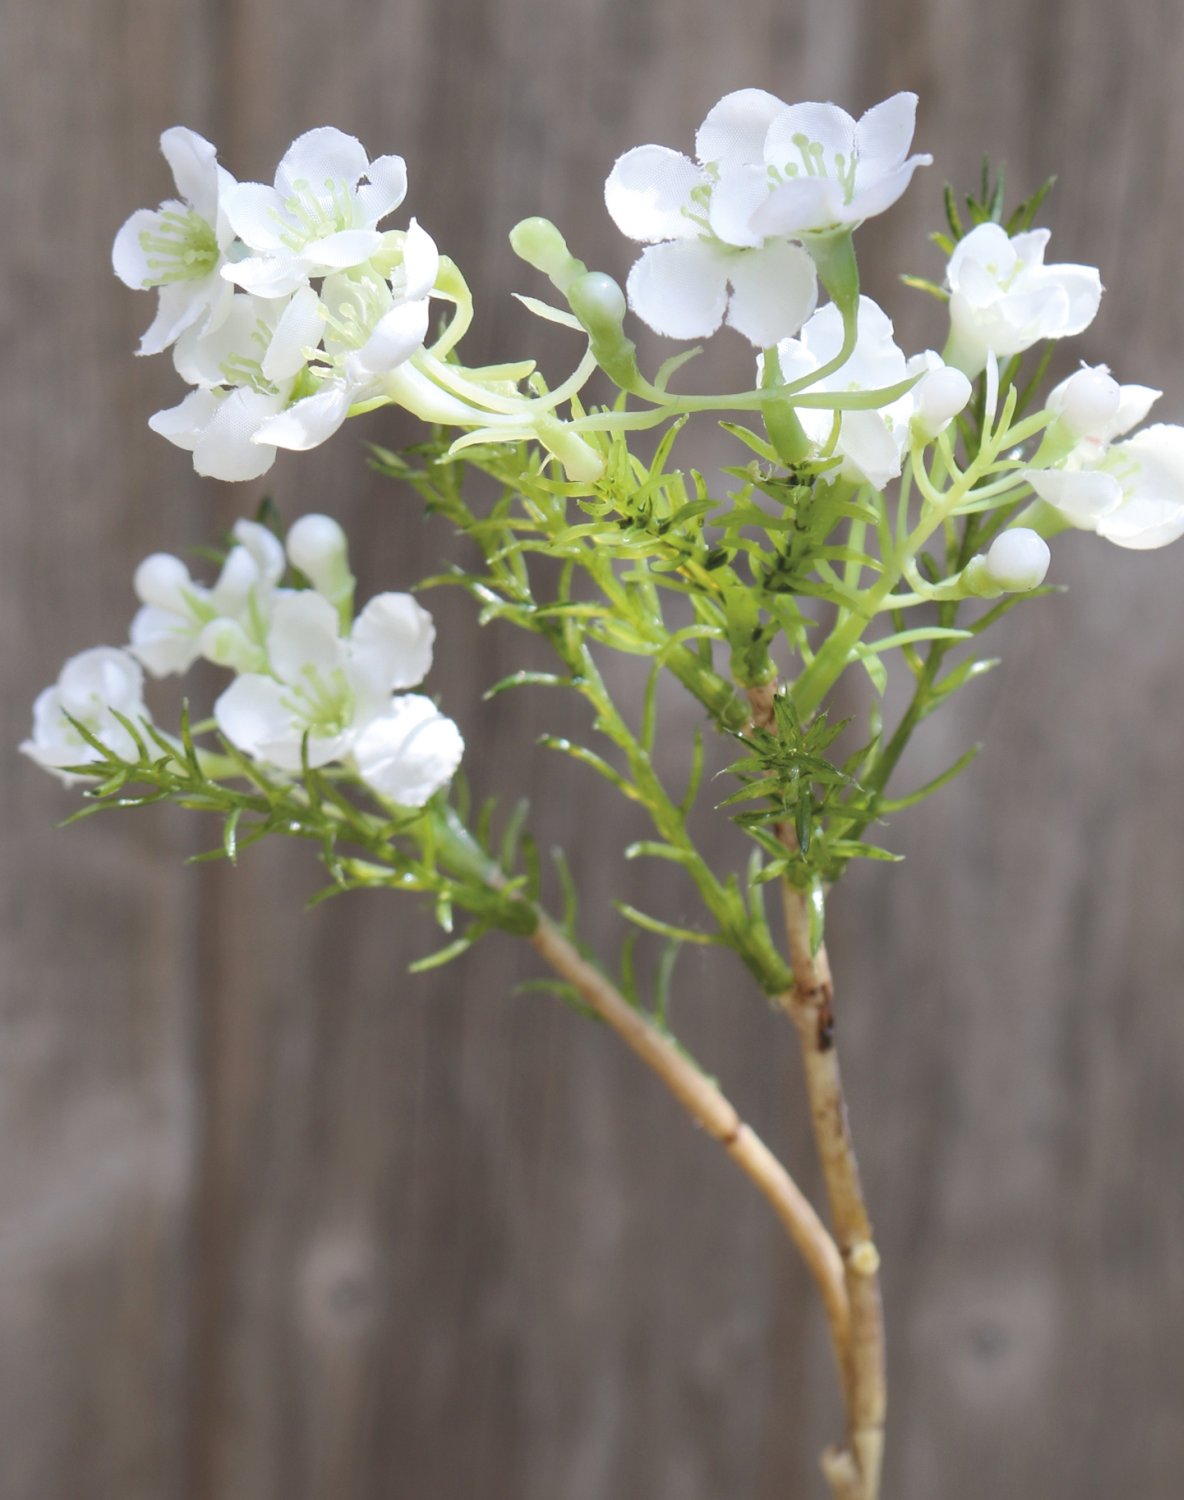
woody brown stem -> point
(707, 1105)
(854, 1474)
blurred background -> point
(277, 1220)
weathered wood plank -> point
(276, 1220)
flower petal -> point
(304, 636)
(194, 163)
(386, 189)
(184, 423)
(256, 214)
(774, 291)
(735, 129)
(318, 159)
(825, 124)
(410, 752)
(253, 712)
(225, 449)
(163, 641)
(398, 334)
(391, 641)
(735, 198)
(648, 190)
(884, 134)
(1144, 523)
(298, 331)
(421, 262)
(309, 422)
(129, 259)
(1082, 496)
(800, 206)
(340, 251)
(680, 288)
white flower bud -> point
(318, 547)
(939, 397)
(1087, 402)
(161, 580)
(1017, 560)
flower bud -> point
(1017, 560)
(318, 547)
(539, 244)
(1087, 402)
(160, 581)
(939, 397)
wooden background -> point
(276, 1221)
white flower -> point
(245, 372)
(181, 620)
(830, 172)
(870, 444)
(180, 247)
(410, 752)
(1004, 299)
(320, 685)
(711, 263)
(318, 218)
(92, 688)
(1095, 409)
(1133, 494)
(319, 548)
(372, 323)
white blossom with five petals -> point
(330, 698)
(180, 248)
(92, 688)
(1004, 299)
(321, 215)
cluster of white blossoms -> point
(286, 305)
(730, 232)
(313, 685)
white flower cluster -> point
(285, 305)
(312, 682)
(726, 231)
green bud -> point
(599, 303)
(539, 244)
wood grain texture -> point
(276, 1220)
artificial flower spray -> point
(882, 511)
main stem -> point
(853, 1473)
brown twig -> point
(855, 1474)
(710, 1109)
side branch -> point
(716, 1115)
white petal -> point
(774, 291)
(252, 712)
(680, 288)
(129, 260)
(827, 124)
(421, 262)
(885, 132)
(194, 164)
(298, 332)
(735, 198)
(735, 129)
(986, 245)
(203, 358)
(102, 677)
(398, 335)
(268, 276)
(1134, 402)
(163, 581)
(303, 636)
(873, 449)
(883, 190)
(1029, 246)
(177, 310)
(256, 214)
(386, 189)
(410, 752)
(392, 641)
(183, 424)
(1082, 287)
(1143, 523)
(164, 641)
(801, 206)
(225, 449)
(265, 549)
(320, 157)
(340, 251)
(307, 423)
(647, 191)
(1081, 496)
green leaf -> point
(665, 929)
